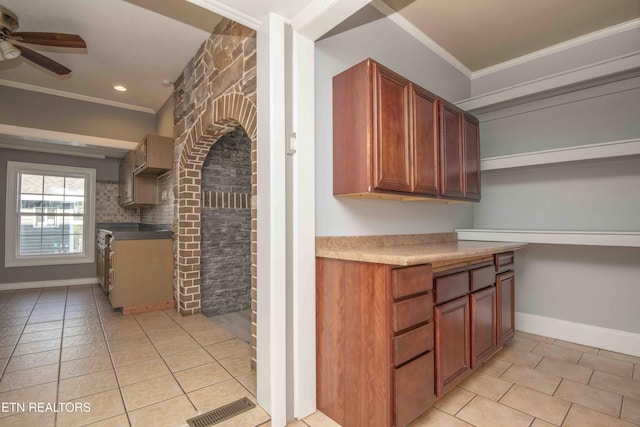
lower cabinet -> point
(452, 324)
(374, 342)
(102, 261)
(465, 327)
(391, 339)
(483, 325)
(140, 276)
(411, 397)
(506, 294)
(505, 287)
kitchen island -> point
(400, 320)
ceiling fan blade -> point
(43, 61)
(50, 39)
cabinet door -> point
(471, 152)
(391, 144)
(100, 264)
(126, 179)
(141, 154)
(424, 126)
(451, 151)
(483, 325)
(452, 343)
(505, 287)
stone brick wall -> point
(215, 94)
(225, 259)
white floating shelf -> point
(555, 82)
(590, 238)
(627, 147)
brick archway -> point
(223, 115)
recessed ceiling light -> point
(120, 88)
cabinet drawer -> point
(411, 280)
(451, 287)
(414, 392)
(412, 343)
(412, 312)
(504, 261)
(482, 278)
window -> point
(50, 215)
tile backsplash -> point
(107, 207)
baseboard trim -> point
(580, 333)
(48, 283)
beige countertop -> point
(408, 249)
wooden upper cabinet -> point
(451, 150)
(153, 155)
(125, 183)
(425, 134)
(394, 139)
(138, 182)
(391, 139)
(471, 155)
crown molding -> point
(321, 16)
(75, 96)
(556, 48)
(403, 23)
(518, 93)
(228, 12)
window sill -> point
(47, 260)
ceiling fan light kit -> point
(8, 50)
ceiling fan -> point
(8, 50)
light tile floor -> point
(158, 369)
(536, 381)
(67, 345)
(237, 322)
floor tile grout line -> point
(95, 301)
(100, 317)
(64, 313)
(15, 346)
(167, 366)
(567, 414)
(200, 346)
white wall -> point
(589, 285)
(588, 195)
(582, 284)
(603, 118)
(385, 42)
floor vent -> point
(222, 413)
